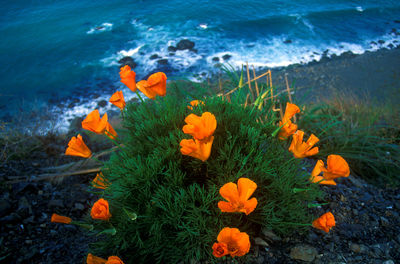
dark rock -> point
(271, 236)
(79, 207)
(102, 103)
(163, 62)
(71, 105)
(381, 41)
(226, 57)
(56, 203)
(390, 46)
(154, 56)
(260, 242)
(127, 61)
(396, 21)
(95, 96)
(303, 252)
(185, 44)
(172, 49)
(216, 59)
(288, 41)
(5, 207)
(11, 218)
(357, 248)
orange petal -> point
(242, 241)
(226, 207)
(246, 188)
(311, 152)
(55, 218)
(250, 205)
(290, 111)
(118, 100)
(318, 168)
(338, 165)
(143, 87)
(157, 82)
(114, 260)
(225, 235)
(76, 147)
(128, 77)
(230, 192)
(91, 259)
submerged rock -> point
(185, 44)
(127, 61)
(226, 57)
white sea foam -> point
(203, 26)
(103, 27)
(359, 9)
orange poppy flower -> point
(94, 123)
(100, 182)
(118, 100)
(200, 127)
(156, 84)
(195, 103)
(114, 260)
(325, 222)
(100, 210)
(288, 128)
(197, 149)
(337, 167)
(128, 77)
(238, 196)
(98, 125)
(55, 218)
(76, 147)
(91, 259)
(231, 241)
(302, 149)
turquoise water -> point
(55, 51)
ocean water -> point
(65, 53)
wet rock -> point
(154, 57)
(381, 41)
(226, 57)
(102, 103)
(11, 218)
(127, 61)
(185, 44)
(396, 21)
(288, 41)
(304, 253)
(216, 59)
(172, 49)
(163, 62)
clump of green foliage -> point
(175, 197)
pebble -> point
(303, 252)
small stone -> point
(216, 59)
(5, 207)
(102, 103)
(79, 207)
(28, 241)
(342, 198)
(154, 56)
(185, 44)
(172, 49)
(260, 242)
(358, 248)
(56, 203)
(288, 41)
(384, 221)
(388, 262)
(271, 236)
(40, 192)
(226, 57)
(303, 252)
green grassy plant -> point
(365, 134)
(175, 197)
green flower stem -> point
(296, 190)
(111, 231)
(277, 130)
(141, 99)
(291, 223)
(311, 205)
(84, 225)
